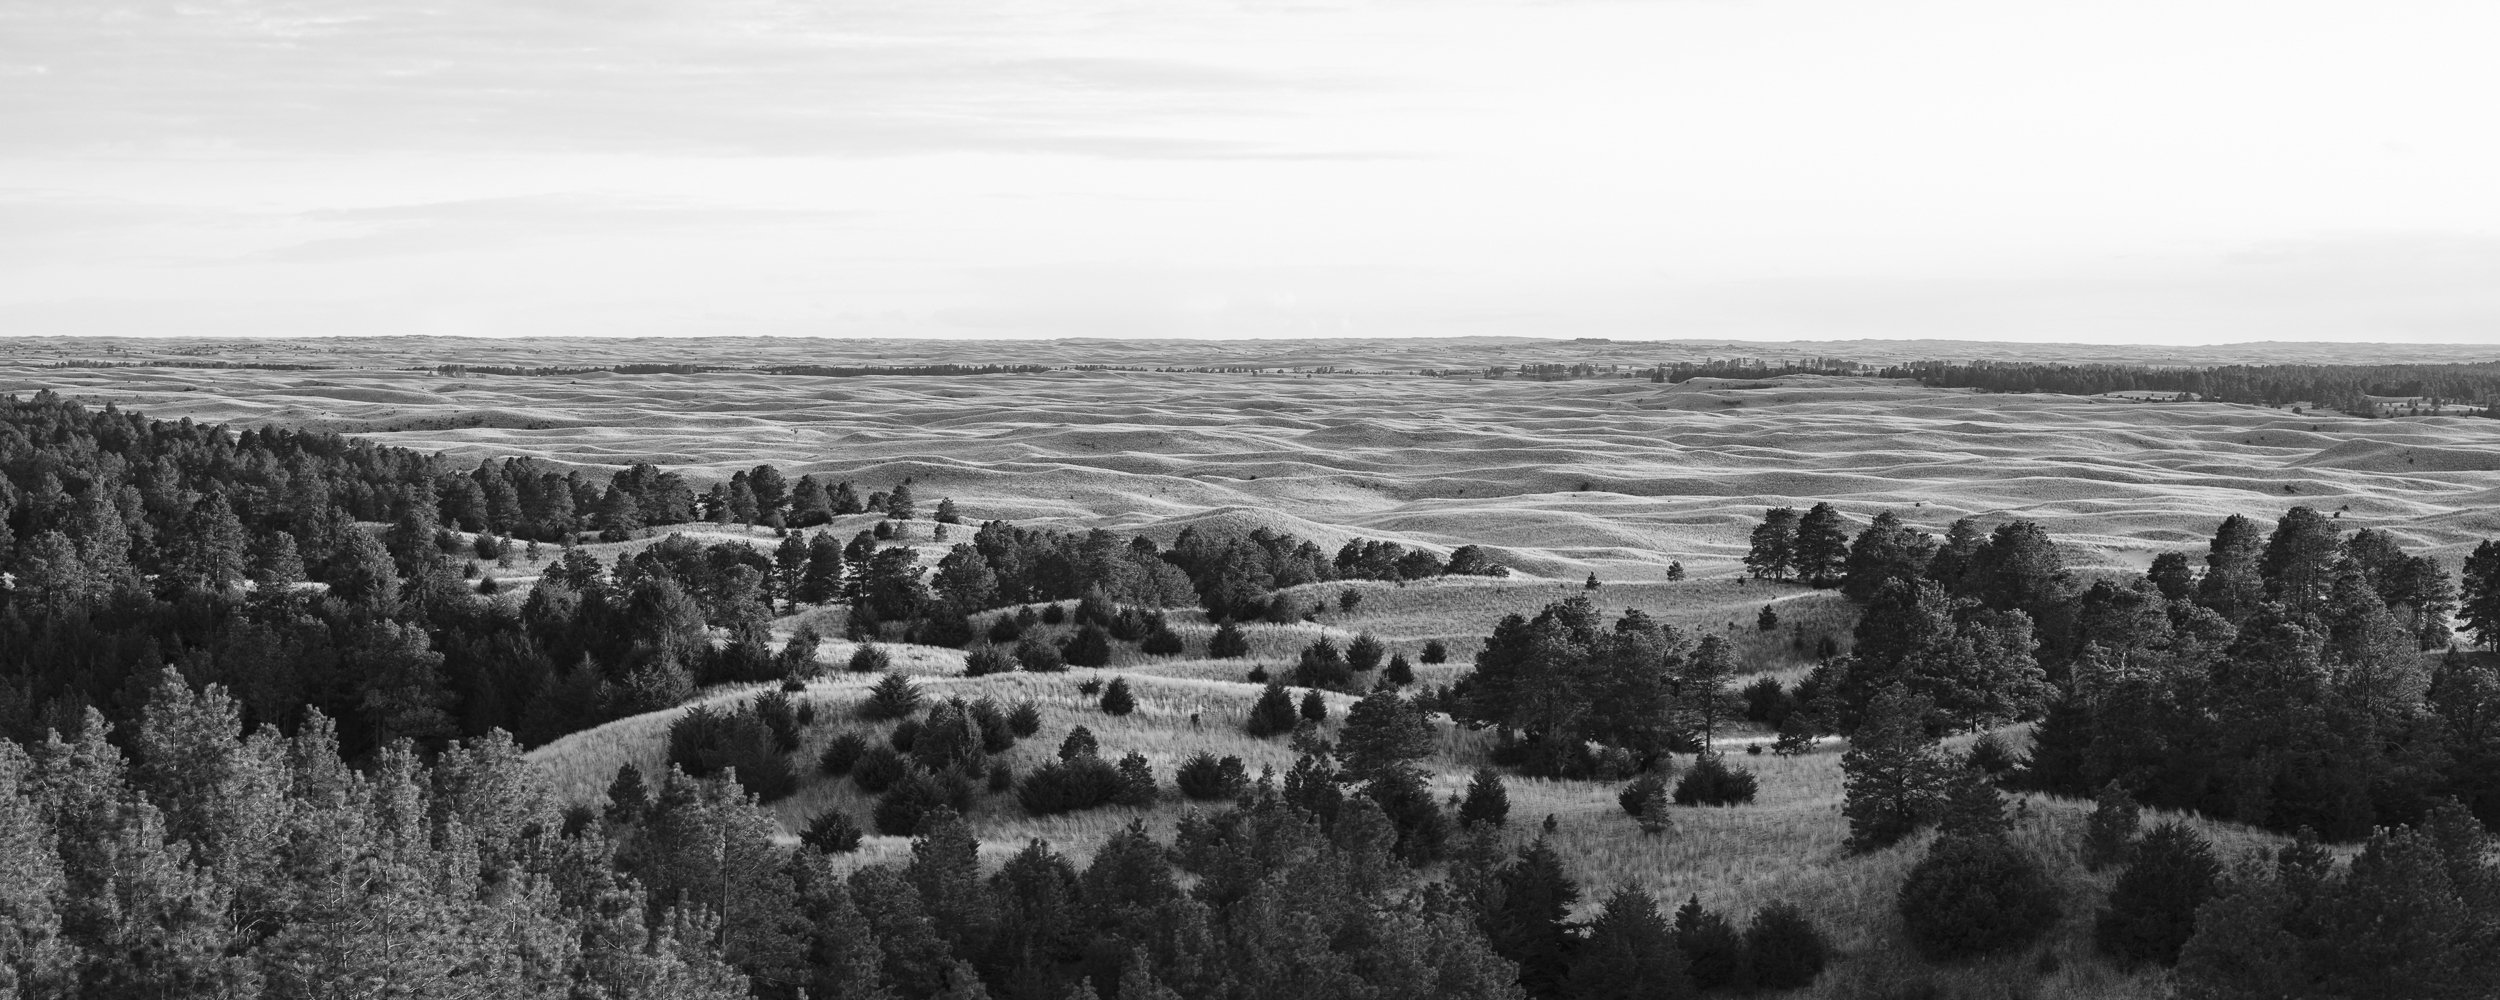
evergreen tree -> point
(1773, 552)
(1887, 550)
(1314, 707)
(1089, 647)
(1273, 713)
(1228, 643)
(1628, 953)
(1701, 686)
(1528, 920)
(1116, 699)
(1713, 952)
(1820, 555)
(1973, 896)
(2173, 576)
(2152, 910)
(2232, 585)
(2110, 835)
(1784, 950)
(1893, 771)
(1487, 802)
(1435, 651)
(2479, 603)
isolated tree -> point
(1435, 651)
(1116, 699)
(893, 697)
(1383, 734)
(1773, 553)
(1820, 555)
(1399, 673)
(1314, 707)
(1228, 643)
(898, 504)
(946, 511)
(1364, 653)
(1089, 647)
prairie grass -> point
(1784, 846)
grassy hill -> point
(1786, 845)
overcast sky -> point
(2115, 171)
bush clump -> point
(1229, 643)
(833, 832)
(1116, 700)
(1037, 656)
(870, 658)
(1784, 950)
(1025, 719)
(1205, 778)
(877, 770)
(841, 753)
(983, 661)
(1975, 895)
(1715, 782)
(1273, 713)
(1065, 786)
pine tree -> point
(2109, 836)
(1894, 772)
(1628, 953)
(1229, 643)
(1529, 919)
(1784, 950)
(2233, 586)
(2152, 910)
(1116, 699)
(946, 512)
(1773, 552)
(1821, 553)
(1487, 802)
(1314, 707)
(1975, 895)
(2478, 603)
(1273, 713)
(1701, 685)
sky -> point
(2171, 172)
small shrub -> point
(1162, 642)
(1635, 797)
(1364, 653)
(1089, 647)
(1768, 620)
(998, 735)
(1314, 707)
(1079, 743)
(1229, 643)
(1766, 702)
(2152, 909)
(1137, 782)
(841, 753)
(877, 769)
(1257, 675)
(1005, 628)
(773, 708)
(869, 658)
(1117, 700)
(1039, 657)
(1713, 782)
(1973, 896)
(1086, 782)
(1089, 687)
(832, 831)
(915, 795)
(1990, 755)
(983, 661)
(1206, 779)
(1784, 949)
(1435, 652)
(1025, 719)
(2110, 833)
(1349, 599)
(1713, 952)
(894, 697)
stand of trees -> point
(2341, 387)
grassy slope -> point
(1784, 846)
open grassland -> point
(1614, 476)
